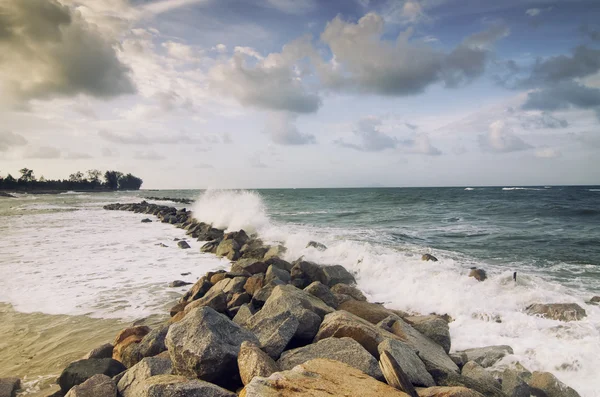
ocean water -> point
(64, 255)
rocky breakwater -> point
(269, 327)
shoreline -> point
(293, 284)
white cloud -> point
(148, 155)
(501, 139)
(281, 129)
(532, 12)
(296, 7)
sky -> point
(303, 93)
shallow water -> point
(64, 255)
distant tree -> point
(111, 179)
(76, 177)
(94, 176)
(26, 175)
(42, 179)
(130, 182)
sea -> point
(73, 274)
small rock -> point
(276, 273)
(547, 383)
(183, 244)
(316, 245)
(96, 386)
(162, 245)
(478, 274)
(557, 311)
(79, 371)
(429, 257)
(104, 351)
(178, 283)
(254, 283)
(186, 274)
(349, 290)
(489, 355)
(9, 387)
(254, 362)
(146, 220)
(322, 292)
(595, 299)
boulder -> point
(96, 386)
(316, 245)
(394, 375)
(254, 283)
(442, 391)
(433, 355)
(345, 350)
(303, 273)
(372, 312)
(243, 315)
(179, 386)
(322, 292)
(229, 249)
(279, 263)
(178, 283)
(408, 360)
(177, 308)
(317, 378)
(183, 244)
(557, 311)
(79, 371)
(216, 300)
(260, 297)
(127, 337)
(459, 358)
(254, 362)
(489, 355)
(104, 351)
(130, 383)
(253, 249)
(238, 299)
(552, 387)
(349, 290)
(275, 251)
(205, 344)
(478, 274)
(452, 379)
(513, 385)
(433, 327)
(595, 299)
(239, 237)
(9, 386)
(251, 266)
(475, 371)
(277, 273)
(210, 246)
(429, 257)
(151, 345)
(146, 220)
(200, 288)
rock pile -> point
(269, 327)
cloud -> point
(77, 156)
(542, 121)
(563, 95)
(547, 153)
(9, 140)
(162, 6)
(533, 12)
(43, 152)
(203, 166)
(109, 152)
(295, 7)
(256, 162)
(591, 33)
(272, 83)
(148, 155)
(137, 138)
(182, 52)
(501, 139)
(281, 128)
(55, 52)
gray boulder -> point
(130, 383)
(243, 315)
(251, 266)
(229, 249)
(9, 386)
(151, 345)
(79, 371)
(557, 311)
(279, 263)
(277, 273)
(179, 386)
(104, 351)
(275, 329)
(489, 355)
(345, 289)
(96, 386)
(513, 385)
(433, 327)
(475, 371)
(214, 299)
(205, 344)
(346, 350)
(303, 273)
(322, 292)
(548, 384)
(183, 244)
(254, 362)
(316, 245)
(210, 246)
(409, 361)
(452, 379)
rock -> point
(130, 384)
(478, 274)
(318, 246)
(394, 375)
(9, 386)
(200, 288)
(442, 391)
(276, 273)
(119, 351)
(229, 249)
(239, 237)
(595, 299)
(319, 377)
(547, 383)
(243, 315)
(433, 355)
(219, 276)
(216, 300)
(205, 344)
(151, 345)
(146, 220)
(275, 251)
(186, 273)
(260, 297)
(254, 283)
(183, 244)
(254, 362)
(177, 308)
(229, 286)
(96, 386)
(138, 331)
(557, 311)
(210, 246)
(336, 274)
(178, 283)
(275, 327)
(253, 249)
(238, 300)
(432, 327)
(475, 371)
(452, 379)
(322, 292)
(279, 263)
(251, 266)
(179, 386)
(408, 360)
(345, 350)
(459, 358)
(305, 273)
(349, 290)
(104, 351)
(79, 371)
(513, 385)
(372, 312)
(162, 245)
(489, 355)
(341, 324)
(429, 257)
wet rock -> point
(96, 386)
(276, 273)
(349, 290)
(104, 351)
(429, 257)
(9, 386)
(478, 274)
(451, 379)
(345, 350)
(130, 383)
(251, 266)
(239, 237)
(177, 308)
(162, 245)
(254, 248)
(279, 263)
(316, 245)
(254, 362)
(275, 251)
(183, 244)
(442, 391)
(179, 386)
(372, 312)
(433, 327)
(408, 360)
(552, 387)
(433, 355)
(79, 371)
(595, 299)
(320, 377)
(210, 246)
(459, 358)
(186, 273)
(216, 300)
(127, 337)
(178, 283)
(394, 374)
(254, 283)
(205, 344)
(146, 220)
(513, 385)
(475, 371)
(489, 355)
(151, 345)
(557, 311)
(322, 292)
(229, 249)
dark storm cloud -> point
(55, 44)
(563, 96)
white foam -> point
(469, 188)
(520, 188)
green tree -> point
(26, 175)
(111, 179)
(76, 177)
(130, 182)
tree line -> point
(91, 180)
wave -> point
(469, 188)
(520, 188)
(594, 190)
